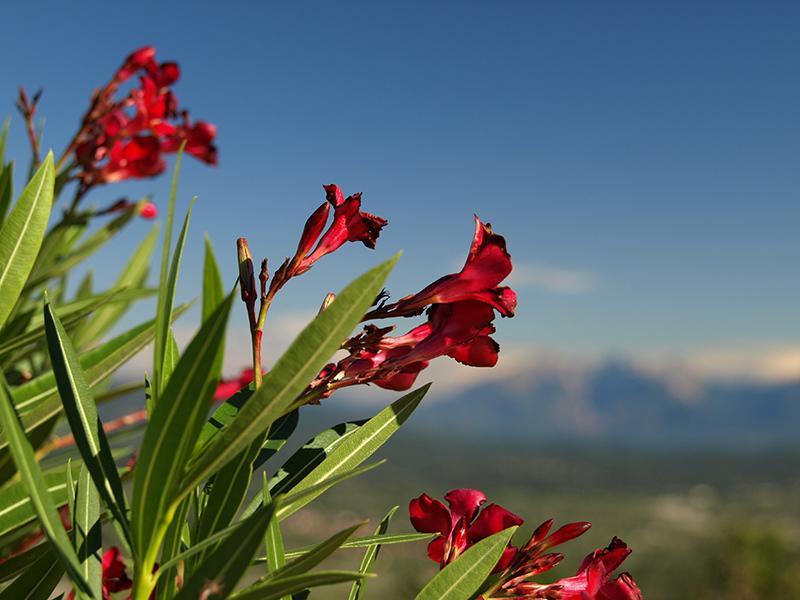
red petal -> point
(492, 519)
(429, 515)
(566, 533)
(480, 352)
(621, 588)
(436, 549)
(464, 503)
(508, 555)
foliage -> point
(181, 505)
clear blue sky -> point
(641, 158)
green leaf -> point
(357, 591)
(38, 581)
(56, 262)
(81, 413)
(174, 426)
(167, 281)
(171, 548)
(303, 461)
(316, 555)
(218, 574)
(463, 577)
(13, 566)
(291, 374)
(6, 188)
(213, 288)
(284, 500)
(273, 538)
(370, 540)
(87, 531)
(362, 443)
(36, 487)
(278, 588)
(71, 314)
(37, 401)
(21, 236)
(16, 506)
(133, 276)
(3, 138)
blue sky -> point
(640, 158)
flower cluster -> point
(127, 138)
(464, 524)
(460, 313)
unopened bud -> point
(327, 301)
(247, 280)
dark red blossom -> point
(487, 265)
(228, 387)
(349, 224)
(460, 330)
(462, 525)
(115, 577)
(127, 137)
(593, 582)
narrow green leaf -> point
(16, 506)
(278, 588)
(167, 587)
(13, 566)
(167, 280)
(291, 374)
(6, 188)
(3, 138)
(359, 446)
(213, 288)
(218, 574)
(87, 531)
(173, 429)
(21, 236)
(273, 538)
(133, 276)
(37, 582)
(357, 591)
(463, 577)
(316, 555)
(37, 400)
(58, 262)
(71, 314)
(370, 540)
(284, 500)
(36, 487)
(81, 413)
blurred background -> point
(641, 160)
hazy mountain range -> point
(615, 401)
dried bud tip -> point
(247, 280)
(327, 301)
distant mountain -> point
(616, 402)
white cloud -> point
(551, 279)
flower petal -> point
(491, 520)
(429, 515)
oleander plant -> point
(176, 498)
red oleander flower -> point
(228, 387)
(460, 330)
(487, 265)
(349, 224)
(115, 578)
(127, 138)
(592, 579)
(462, 525)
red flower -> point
(461, 525)
(228, 387)
(487, 265)
(115, 578)
(460, 330)
(137, 158)
(127, 138)
(349, 224)
(592, 580)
